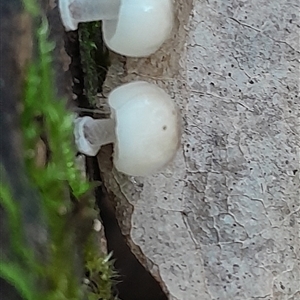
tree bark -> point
(223, 221)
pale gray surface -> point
(223, 221)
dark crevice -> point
(134, 281)
(72, 49)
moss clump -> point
(15, 268)
(57, 181)
(100, 275)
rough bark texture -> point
(223, 221)
(17, 49)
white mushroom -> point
(144, 127)
(130, 27)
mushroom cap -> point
(142, 27)
(147, 128)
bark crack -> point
(260, 31)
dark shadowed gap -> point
(136, 283)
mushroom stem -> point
(91, 134)
(77, 11)
(100, 132)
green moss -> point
(100, 272)
(94, 59)
(44, 114)
(15, 271)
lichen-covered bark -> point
(223, 221)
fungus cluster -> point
(144, 124)
(144, 127)
(130, 27)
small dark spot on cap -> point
(165, 127)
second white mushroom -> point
(144, 127)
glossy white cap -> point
(147, 128)
(141, 28)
